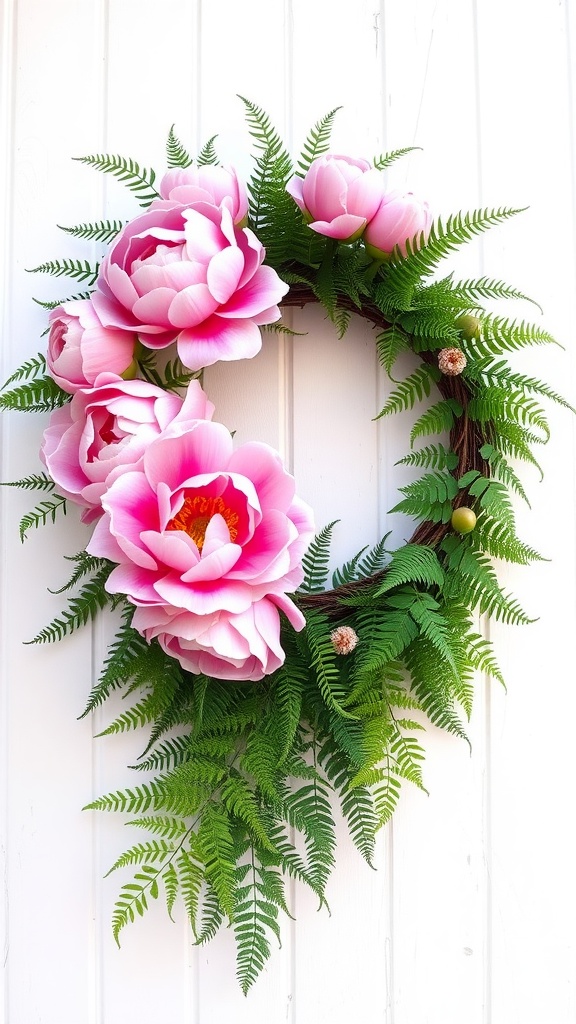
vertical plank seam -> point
(487, 922)
(7, 99)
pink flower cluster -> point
(345, 199)
(185, 272)
(207, 541)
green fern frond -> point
(413, 563)
(54, 303)
(498, 403)
(40, 395)
(492, 374)
(120, 663)
(137, 179)
(503, 471)
(156, 851)
(488, 288)
(176, 154)
(34, 367)
(90, 600)
(438, 419)
(386, 159)
(317, 141)
(410, 391)
(34, 482)
(133, 898)
(495, 537)
(169, 754)
(207, 154)
(389, 344)
(315, 562)
(216, 848)
(430, 497)
(45, 511)
(85, 563)
(375, 560)
(433, 456)
(403, 273)
(101, 231)
(81, 270)
(162, 825)
(500, 334)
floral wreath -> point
(270, 694)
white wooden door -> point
(470, 916)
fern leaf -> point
(207, 154)
(137, 179)
(39, 395)
(34, 367)
(315, 562)
(91, 599)
(101, 231)
(317, 141)
(433, 456)
(34, 482)
(45, 511)
(413, 563)
(412, 390)
(438, 419)
(386, 159)
(80, 270)
(176, 154)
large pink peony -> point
(217, 186)
(104, 431)
(400, 218)
(191, 276)
(338, 195)
(80, 348)
(208, 541)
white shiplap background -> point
(470, 916)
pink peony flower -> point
(216, 186)
(399, 218)
(208, 542)
(339, 195)
(190, 276)
(104, 431)
(80, 348)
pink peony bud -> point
(217, 186)
(338, 195)
(399, 218)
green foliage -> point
(207, 154)
(176, 154)
(44, 512)
(80, 270)
(101, 231)
(39, 395)
(35, 367)
(318, 141)
(137, 179)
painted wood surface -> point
(469, 918)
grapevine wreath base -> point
(270, 694)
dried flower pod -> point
(451, 361)
(344, 639)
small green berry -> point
(469, 325)
(463, 520)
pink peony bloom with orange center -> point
(208, 542)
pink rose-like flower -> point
(338, 195)
(399, 218)
(190, 276)
(208, 541)
(104, 431)
(217, 186)
(80, 348)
